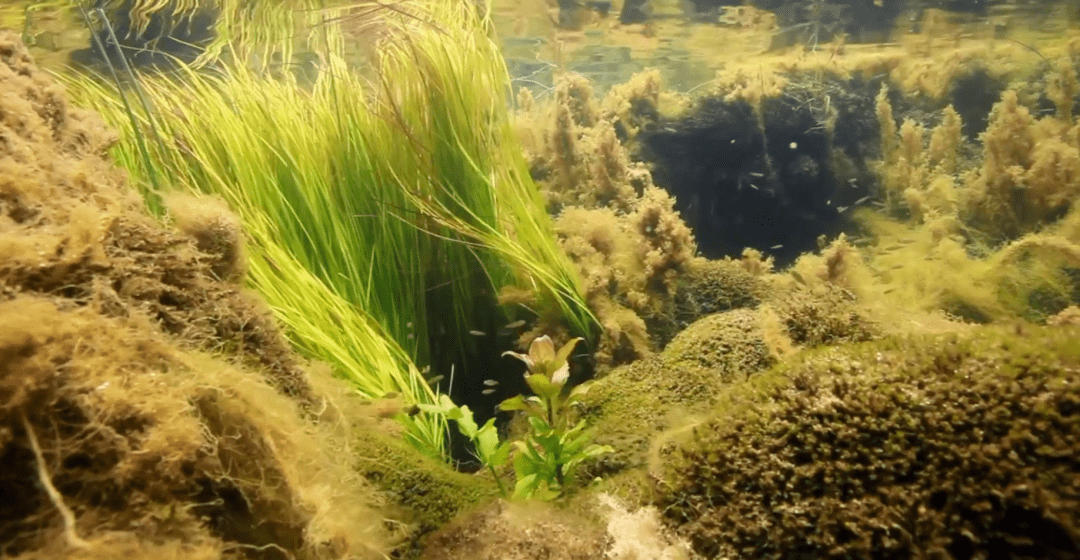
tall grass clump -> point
(473, 174)
(361, 194)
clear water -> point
(688, 51)
(608, 53)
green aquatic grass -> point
(361, 195)
(341, 278)
(260, 33)
(474, 178)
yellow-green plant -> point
(257, 33)
(359, 194)
(491, 452)
(545, 459)
(555, 444)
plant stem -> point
(499, 481)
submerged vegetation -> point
(872, 384)
(951, 446)
(360, 195)
(149, 406)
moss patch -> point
(632, 405)
(426, 493)
(120, 435)
(953, 446)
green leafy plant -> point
(360, 193)
(555, 445)
(545, 459)
(491, 452)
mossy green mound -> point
(424, 493)
(635, 403)
(963, 446)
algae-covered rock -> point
(424, 494)
(704, 287)
(712, 286)
(961, 446)
(634, 404)
(149, 408)
(821, 315)
(519, 531)
(728, 346)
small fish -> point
(390, 395)
(487, 391)
(755, 174)
(515, 325)
(413, 410)
(893, 247)
(775, 247)
(862, 200)
(490, 382)
(798, 277)
(841, 209)
(753, 186)
(434, 380)
(477, 333)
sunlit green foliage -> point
(555, 444)
(358, 195)
(491, 452)
(545, 459)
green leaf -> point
(564, 353)
(577, 393)
(526, 454)
(487, 442)
(572, 445)
(444, 406)
(541, 385)
(545, 491)
(579, 427)
(548, 441)
(465, 422)
(525, 486)
(500, 455)
(539, 425)
(514, 403)
(597, 450)
(433, 408)
(542, 350)
(523, 357)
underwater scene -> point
(540, 279)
